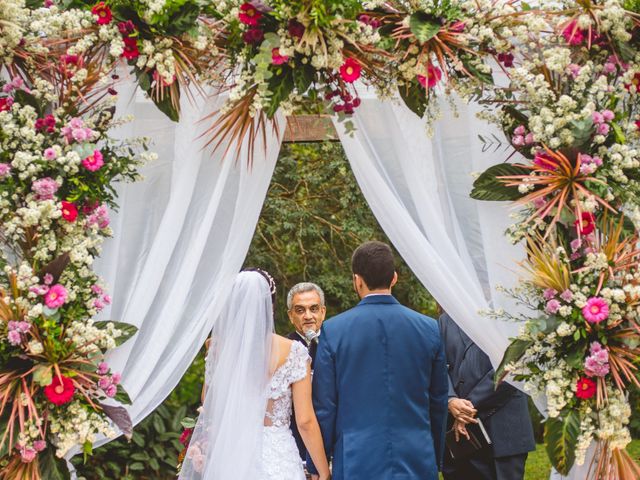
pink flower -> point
(609, 68)
(106, 299)
(545, 161)
(14, 337)
(50, 154)
(98, 305)
(48, 279)
(572, 34)
(519, 130)
(350, 70)
(518, 140)
(28, 454)
(103, 368)
(100, 217)
(93, 162)
(567, 295)
(529, 138)
(552, 306)
(5, 104)
(56, 297)
(597, 363)
(45, 188)
(574, 69)
(97, 289)
(111, 391)
(39, 445)
(5, 169)
(576, 244)
(603, 129)
(549, 293)
(249, 15)
(596, 310)
(115, 378)
(434, 74)
(597, 117)
(104, 382)
(608, 115)
(278, 59)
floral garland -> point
(567, 100)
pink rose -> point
(111, 391)
(115, 378)
(50, 154)
(28, 454)
(39, 445)
(56, 297)
(45, 188)
(104, 382)
(552, 306)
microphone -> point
(311, 336)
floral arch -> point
(559, 78)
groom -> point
(380, 381)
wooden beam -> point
(310, 128)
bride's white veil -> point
(227, 441)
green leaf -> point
(488, 187)
(136, 466)
(165, 105)
(24, 98)
(158, 424)
(561, 439)
(582, 131)
(513, 353)
(122, 396)
(127, 329)
(153, 463)
(415, 97)
(280, 88)
(52, 467)
(188, 422)
(617, 133)
(423, 26)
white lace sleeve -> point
(300, 360)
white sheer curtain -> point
(418, 189)
(180, 237)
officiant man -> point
(503, 411)
(306, 310)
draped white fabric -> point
(181, 236)
(418, 189)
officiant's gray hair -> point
(302, 288)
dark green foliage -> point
(312, 220)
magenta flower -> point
(28, 454)
(572, 34)
(14, 337)
(5, 169)
(50, 154)
(100, 217)
(596, 310)
(111, 391)
(103, 368)
(39, 445)
(56, 297)
(45, 188)
(277, 58)
(93, 162)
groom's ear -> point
(394, 280)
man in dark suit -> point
(503, 412)
(306, 310)
(380, 381)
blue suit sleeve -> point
(438, 395)
(325, 396)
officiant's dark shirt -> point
(295, 336)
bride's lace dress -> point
(280, 457)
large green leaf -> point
(415, 97)
(488, 187)
(513, 353)
(561, 438)
(127, 329)
(280, 87)
(423, 26)
(52, 467)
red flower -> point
(103, 12)
(249, 15)
(296, 29)
(585, 388)
(586, 224)
(434, 74)
(60, 390)
(69, 211)
(350, 70)
(130, 48)
(186, 436)
(253, 36)
(126, 28)
(5, 103)
(47, 123)
(506, 59)
(637, 121)
(278, 59)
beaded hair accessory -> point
(267, 276)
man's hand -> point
(462, 410)
(460, 429)
(315, 477)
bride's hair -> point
(267, 276)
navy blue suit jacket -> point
(503, 410)
(380, 392)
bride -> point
(252, 378)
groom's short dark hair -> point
(373, 261)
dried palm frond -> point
(545, 266)
(557, 180)
(612, 464)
